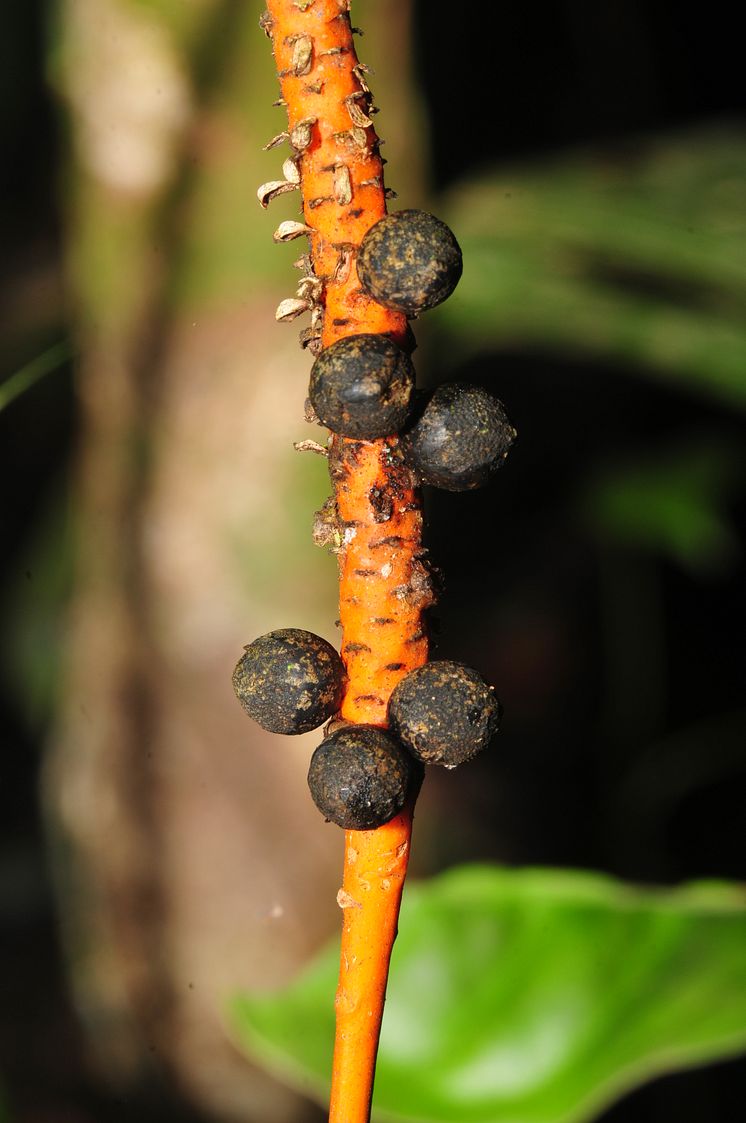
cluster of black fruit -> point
(363, 386)
(291, 681)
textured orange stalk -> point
(322, 86)
(384, 588)
(384, 585)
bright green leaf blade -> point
(531, 996)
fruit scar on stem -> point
(384, 584)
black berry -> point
(360, 777)
(444, 713)
(361, 386)
(289, 681)
(409, 261)
(460, 438)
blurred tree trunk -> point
(190, 862)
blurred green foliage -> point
(527, 996)
(638, 257)
(31, 610)
(672, 503)
(28, 375)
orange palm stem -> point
(384, 582)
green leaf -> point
(637, 258)
(527, 996)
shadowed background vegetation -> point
(156, 855)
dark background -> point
(545, 76)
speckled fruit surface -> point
(360, 777)
(289, 681)
(409, 261)
(461, 437)
(444, 713)
(361, 386)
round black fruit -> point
(461, 437)
(360, 777)
(409, 261)
(361, 386)
(444, 713)
(289, 681)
